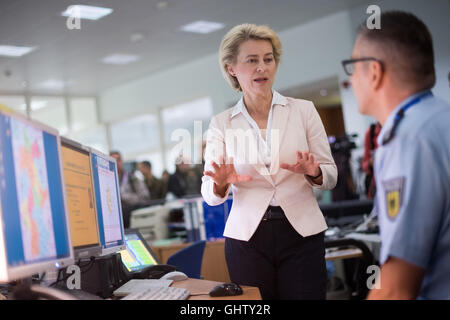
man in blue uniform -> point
(392, 73)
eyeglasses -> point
(349, 67)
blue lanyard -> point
(400, 114)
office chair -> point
(189, 259)
(359, 276)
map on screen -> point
(32, 191)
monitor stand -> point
(103, 276)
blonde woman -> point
(272, 151)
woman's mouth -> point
(261, 80)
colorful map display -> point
(32, 192)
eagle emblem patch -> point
(393, 189)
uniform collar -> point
(390, 120)
(277, 99)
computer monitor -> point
(34, 222)
(137, 255)
(80, 199)
(107, 198)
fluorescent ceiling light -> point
(202, 27)
(161, 4)
(120, 59)
(86, 12)
(14, 51)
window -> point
(172, 156)
(94, 137)
(137, 135)
(83, 113)
(185, 117)
(184, 126)
(16, 103)
(50, 111)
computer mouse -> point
(226, 289)
(175, 276)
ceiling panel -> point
(75, 55)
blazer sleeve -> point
(320, 148)
(215, 148)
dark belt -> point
(274, 213)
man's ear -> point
(376, 74)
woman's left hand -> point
(305, 165)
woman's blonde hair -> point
(229, 47)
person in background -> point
(370, 145)
(193, 179)
(154, 185)
(392, 73)
(165, 181)
(177, 180)
(195, 174)
(133, 192)
(186, 180)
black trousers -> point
(279, 261)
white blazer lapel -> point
(242, 138)
(278, 130)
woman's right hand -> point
(224, 174)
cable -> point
(89, 265)
(57, 278)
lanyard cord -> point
(400, 114)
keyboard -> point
(159, 293)
(138, 285)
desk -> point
(197, 286)
(214, 266)
(343, 254)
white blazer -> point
(296, 126)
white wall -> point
(436, 15)
(311, 52)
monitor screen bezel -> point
(114, 248)
(92, 250)
(10, 273)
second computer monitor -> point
(80, 199)
(107, 197)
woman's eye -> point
(268, 60)
(252, 60)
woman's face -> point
(255, 67)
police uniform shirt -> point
(413, 192)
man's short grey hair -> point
(405, 41)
